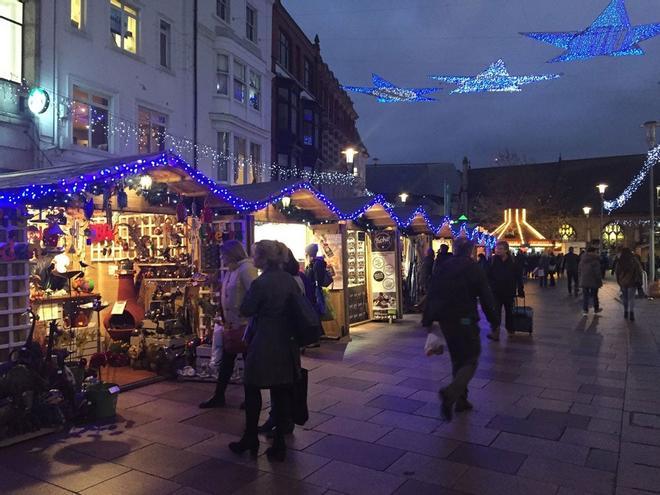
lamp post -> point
(403, 197)
(587, 211)
(651, 141)
(601, 189)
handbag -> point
(299, 411)
(306, 326)
(233, 339)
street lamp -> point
(587, 211)
(601, 189)
(350, 154)
(651, 141)
(403, 197)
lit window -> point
(165, 43)
(90, 119)
(223, 160)
(285, 51)
(152, 128)
(251, 23)
(239, 159)
(613, 235)
(567, 232)
(239, 81)
(222, 75)
(255, 90)
(222, 9)
(255, 163)
(124, 25)
(11, 40)
(77, 13)
(308, 127)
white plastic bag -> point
(434, 343)
(216, 345)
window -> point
(285, 51)
(223, 160)
(612, 235)
(255, 90)
(308, 127)
(307, 75)
(239, 159)
(222, 75)
(77, 14)
(165, 43)
(11, 40)
(251, 23)
(567, 232)
(255, 164)
(124, 25)
(222, 10)
(90, 119)
(239, 81)
(657, 196)
(152, 128)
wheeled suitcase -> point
(523, 317)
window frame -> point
(239, 166)
(226, 4)
(257, 77)
(224, 156)
(89, 103)
(20, 25)
(152, 124)
(254, 164)
(284, 42)
(83, 18)
(125, 14)
(251, 29)
(226, 73)
(238, 81)
(168, 44)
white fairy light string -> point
(651, 161)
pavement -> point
(573, 409)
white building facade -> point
(120, 79)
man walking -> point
(505, 279)
(571, 263)
(590, 280)
(452, 301)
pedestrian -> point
(629, 277)
(560, 265)
(590, 280)
(604, 263)
(317, 277)
(238, 279)
(542, 269)
(640, 287)
(455, 288)
(521, 260)
(427, 268)
(273, 358)
(482, 261)
(570, 264)
(505, 280)
(552, 268)
(443, 255)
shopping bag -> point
(434, 343)
(306, 324)
(522, 317)
(233, 339)
(299, 407)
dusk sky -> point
(595, 109)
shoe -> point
(463, 405)
(446, 406)
(215, 401)
(244, 444)
(267, 427)
(598, 310)
(276, 453)
(494, 336)
(625, 315)
(631, 316)
(287, 431)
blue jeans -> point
(628, 294)
(587, 294)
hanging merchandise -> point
(495, 78)
(611, 34)
(181, 212)
(89, 208)
(386, 92)
(52, 234)
(122, 198)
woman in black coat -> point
(273, 358)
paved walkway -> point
(573, 410)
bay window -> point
(240, 153)
(11, 40)
(124, 25)
(90, 119)
(254, 171)
(251, 23)
(222, 174)
(239, 81)
(222, 74)
(152, 128)
(255, 90)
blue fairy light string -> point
(386, 92)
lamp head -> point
(145, 182)
(601, 188)
(586, 210)
(350, 154)
(286, 201)
(403, 197)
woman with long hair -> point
(629, 277)
(273, 358)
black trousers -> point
(227, 363)
(281, 404)
(505, 302)
(464, 347)
(572, 276)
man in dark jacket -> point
(443, 255)
(455, 287)
(505, 278)
(590, 280)
(571, 263)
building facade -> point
(132, 77)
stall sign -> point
(383, 274)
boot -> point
(462, 404)
(625, 314)
(268, 426)
(631, 316)
(215, 401)
(446, 405)
(247, 442)
(278, 450)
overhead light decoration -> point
(38, 100)
(403, 197)
(652, 160)
(145, 182)
(611, 35)
(386, 92)
(286, 201)
(495, 78)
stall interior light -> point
(286, 201)
(145, 182)
(350, 154)
(403, 197)
(355, 172)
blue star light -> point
(495, 78)
(611, 34)
(386, 92)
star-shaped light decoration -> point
(611, 34)
(495, 78)
(386, 92)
